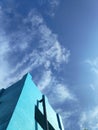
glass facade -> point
(29, 109)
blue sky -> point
(57, 42)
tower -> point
(23, 107)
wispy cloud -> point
(89, 119)
(30, 46)
(69, 118)
(93, 87)
(45, 80)
(51, 6)
(94, 65)
(58, 93)
(65, 117)
(55, 88)
(4, 48)
(61, 93)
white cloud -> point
(53, 6)
(62, 93)
(89, 119)
(65, 114)
(19, 53)
(93, 87)
(4, 48)
(94, 65)
(55, 88)
(93, 62)
(54, 2)
(45, 80)
(50, 6)
(57, 93)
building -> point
(23, 107)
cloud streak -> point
(51, 6)
(55, 88)
(89, 119)
(94, 65)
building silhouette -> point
(23, 107)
